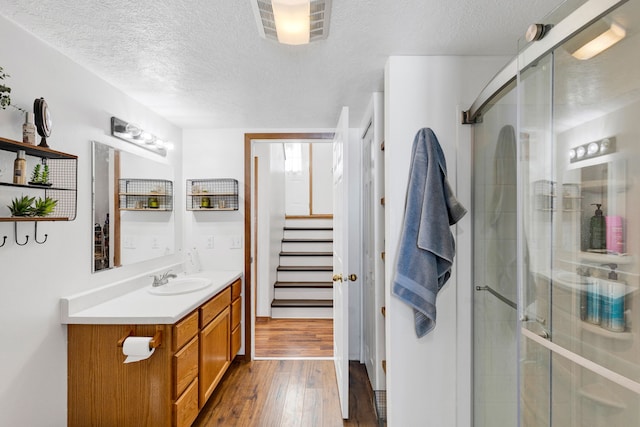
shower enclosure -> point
(556, 228)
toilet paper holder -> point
(154, 343)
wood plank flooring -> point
(287, 393)
(294, 337)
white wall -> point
(271, 216)
(429, 379)
(321, 178)
(33, 359)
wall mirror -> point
(133, 218)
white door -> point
(340, 258)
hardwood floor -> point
(287, 393)
(294, 337)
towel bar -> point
(498, 295)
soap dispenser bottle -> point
(597, 230)
(613, 291)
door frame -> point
(249, 303)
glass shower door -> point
(579, 246)
(495, 263)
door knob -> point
(337, 277)
(352, 277)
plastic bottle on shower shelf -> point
(594, 300)
(613, 292)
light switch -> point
(236, 242)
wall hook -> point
(15, 235)
(35, 235)
(4, 240)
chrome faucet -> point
(163, 279)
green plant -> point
(5, 93)
(44, 178)
(43, 207)
(40, 174)
(21, 206)
(35, 175)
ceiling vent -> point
(319, 14)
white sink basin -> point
(180, 286)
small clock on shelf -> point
(42, 119)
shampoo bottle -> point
(597, 230)
(20, 169)
(594, 305)
(613, 292)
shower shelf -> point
(597, 330)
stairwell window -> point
(293, 158)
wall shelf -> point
(149, 195)
(63, 174)
(215, 194)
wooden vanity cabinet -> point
(236, 315)
(215, 338)
(167, 389)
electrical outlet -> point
(210, 242)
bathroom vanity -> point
(196, 335)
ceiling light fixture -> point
(600, 43)
(136, 135)
(592, 149)
(292, 22)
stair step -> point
(304, 268)
(307, 245)
(308, 228)
(308, 222)
(306, 254)
(309, 259)
(308, 240)
(308, 232)
(303, 285)
(301, 303)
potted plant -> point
(21, 206)
(40, 175)
(43, 207)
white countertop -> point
(138, 306)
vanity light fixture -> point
(600, 43)
(592, 149)
(292, 22)
(134, 134)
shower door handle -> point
(536, 327)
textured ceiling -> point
(202, 63)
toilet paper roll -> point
(137, 349)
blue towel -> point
(427, 246)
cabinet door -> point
(214, 353)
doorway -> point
(296, 332)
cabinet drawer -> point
(184, 330)
(185, 366)
(236, 289)
(236, 337)
(214, 306)
(185, 409)
(236, 311)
